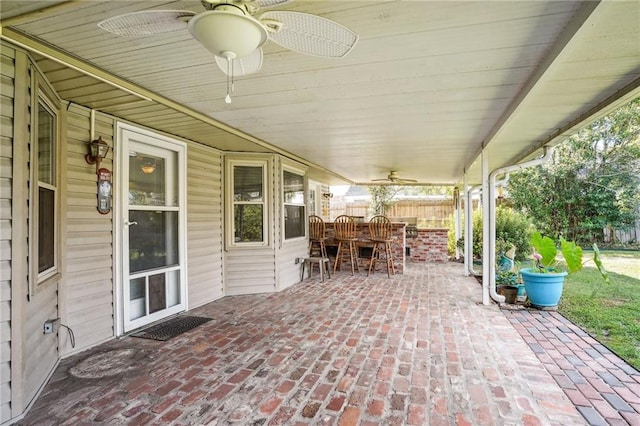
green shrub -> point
(512, 227)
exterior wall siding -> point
(288, 269)
(84, 295)
(204, 225)
(87, 287)
(39, 352)
(249, 271)
(23, 311)
(7, 75)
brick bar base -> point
(430, 245)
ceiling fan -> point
(234, 32)
(394, 178)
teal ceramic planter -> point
(543, 290)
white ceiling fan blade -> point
(147, 23)
(310, 34)
(246, 65)
(267, 3)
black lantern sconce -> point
(327, 195)
(98, 151)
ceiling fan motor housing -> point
(227, 31)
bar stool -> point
(323, 266)
(317, 236)
(344, 228)
(380, 235)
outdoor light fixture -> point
(229, 33)
(327, 195)
(98, 151)
(228, 30)
(148, 166)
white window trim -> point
(303, 204)
(231, 203)
(43, 95)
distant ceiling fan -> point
(393, 177)
(231, 31)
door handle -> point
(127, 223)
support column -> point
(487, 244)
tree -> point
(381, 196)
(592, 181)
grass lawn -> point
(610, 313)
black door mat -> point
(171, 328)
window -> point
(44, 166)
(294, 216)
(249, 208)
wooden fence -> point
(429, 213)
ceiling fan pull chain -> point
(233, 80)
(227, 98)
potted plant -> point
(507, 278)
(544, 282)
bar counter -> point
(365, 246)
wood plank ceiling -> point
(429, 84)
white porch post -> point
(487, 244)
(467, 227)
(468, 242)
(458, 218)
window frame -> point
(301, 204)
(43, 97)
(232, 203)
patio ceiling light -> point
(148, 166)
(229, 33)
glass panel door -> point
(153, 284)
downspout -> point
(491, 200)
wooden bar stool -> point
(380, 231)
(317, 237)
(344, 228)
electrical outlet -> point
(51, 325)
(297, 260)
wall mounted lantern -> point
(98, 151)
(327, 195)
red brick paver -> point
(415, 349)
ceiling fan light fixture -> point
(228, 31)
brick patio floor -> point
(416, 349)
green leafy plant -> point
(512, 227)
(545, 253)
(506, 278)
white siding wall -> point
(87, 291)
(249, 271)
(288, 270)
(204, 225)
(22, 342)
(39, 352)
(7, 74)
(84, 296)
